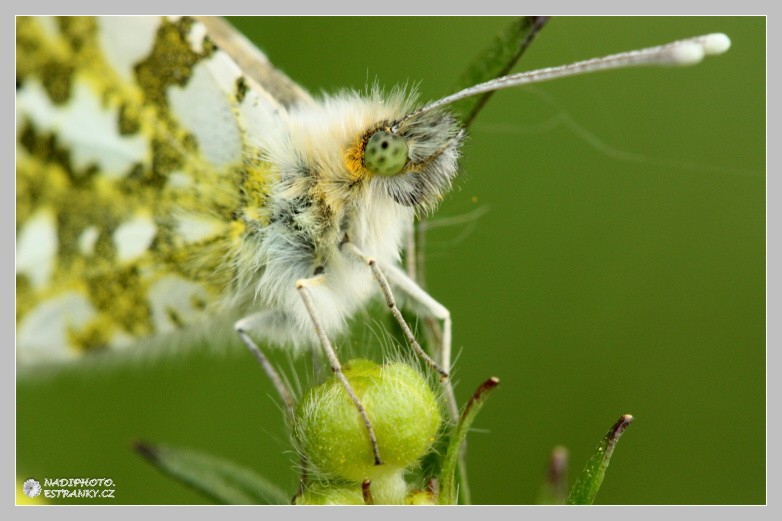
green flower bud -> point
(330, 494)
(400, 405)
(420, 497)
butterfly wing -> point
(253, 63)
(138, 175)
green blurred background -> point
(619, 268)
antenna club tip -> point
(687, 53)
(716, 43)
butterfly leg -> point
(302, 287)
(434, 308)
(258, 321)
(403, 282)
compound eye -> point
(385, 153)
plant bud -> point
(401, 407)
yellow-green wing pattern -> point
(138, 183)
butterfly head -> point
(412, 158)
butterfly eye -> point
(385, 153)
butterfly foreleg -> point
(302, 286)
(259, 321)
(399, 279)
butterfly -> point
(176, 314)
(169, 177)
(160, 182)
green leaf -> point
(447, 491)
(218, 479)
(495, 61)
(588, 483)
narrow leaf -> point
(495, 61)
(447, 491)
(220, 480)
(588, 483)
(554, 488)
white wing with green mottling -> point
(137, 178)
